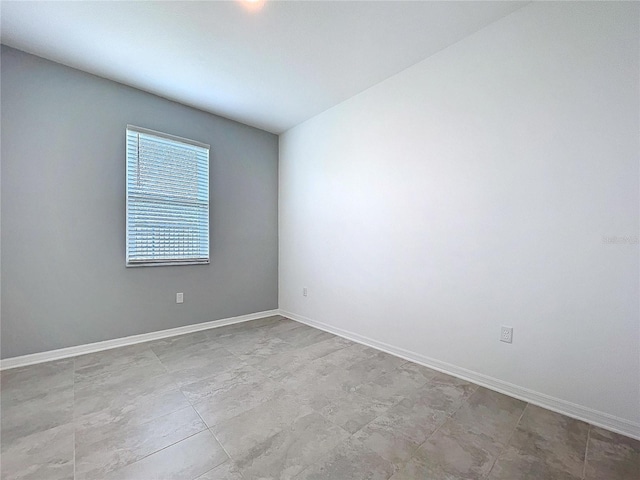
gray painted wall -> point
(64, 280)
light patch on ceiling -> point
(252, 6)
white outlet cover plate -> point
(179, 297)
(506, 334)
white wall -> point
(473, 190)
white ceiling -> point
(272, 68)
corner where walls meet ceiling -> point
(271, 67)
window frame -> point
(180, 140)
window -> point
(167, 199)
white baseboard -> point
(594, 417)
(58, 354)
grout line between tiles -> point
(586, 452)
(161, 449)
(506, 444)
(212, 469)
(396, 403)
(166, 370)
(208, 427)
(444, 421)
(448, 417)
(221, 446)
(229, 457)
(180, 388)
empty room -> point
(319, 240)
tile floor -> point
(274, 399)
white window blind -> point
(167, 199)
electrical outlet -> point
(179, 297)
(305, 292)
(506, 334)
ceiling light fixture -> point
(253, 5)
